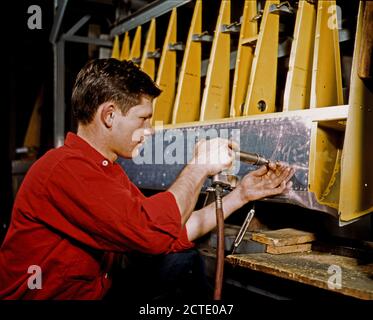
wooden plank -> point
(312, 269)
(283, 237)
(305, 247)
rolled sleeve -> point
(168, 218)
(164, 212)
(182, 243)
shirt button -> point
(105, 163)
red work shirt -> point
(74, 211)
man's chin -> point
(135, 151)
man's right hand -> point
(214, 155)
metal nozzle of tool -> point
(227, 181)
(252, 158)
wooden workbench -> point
(312, 269)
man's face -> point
(130, 130)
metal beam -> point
(59, 93)
(61, 7)
(151, 11)
(96, 41)
(75, 28)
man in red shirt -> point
(76, 208)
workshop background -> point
(295, 77)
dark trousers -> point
(172, 277)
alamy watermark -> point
(35, 280)
(177, 146)
(34, 21)
(335, 17)
(335, 280)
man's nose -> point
(148, 129)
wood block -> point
(283, 237)
(289, 249)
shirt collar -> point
(75, 142)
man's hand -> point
(213, 156)
(265, 182)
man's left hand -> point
(265, 182)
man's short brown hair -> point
(104, 80)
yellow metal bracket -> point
(149, 52)
(216, 94)
(166, 77)
(326, 88)
(325, 160)
(135, 52)
(356, 198)
(115, 51)
(261, 93)
(298, 82)
(245, 55)
(125, 52)
(187, 101)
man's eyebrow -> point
(146, 115)
(150, 112)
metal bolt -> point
(262, 106)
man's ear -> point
(107, 114)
